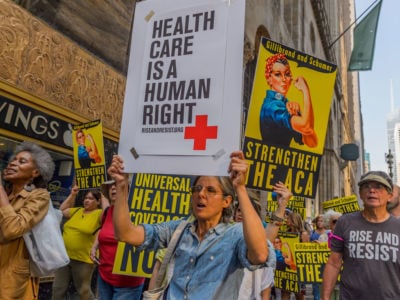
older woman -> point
(330, 219)
(211, 247)
(23, 206)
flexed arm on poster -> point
(93, 152)
(304, 121)
(282, 120)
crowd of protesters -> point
(214, 257)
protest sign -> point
(285, 273)
(89, 162)
(310, 261)
(288, 117)
(295, 204)
(343, 205)
(153, 198)
(183, 97)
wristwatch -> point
(276, 218)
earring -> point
(29, 187)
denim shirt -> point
(209, 269)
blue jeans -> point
(315, 290)
(107, 291)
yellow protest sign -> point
(89, 157)
(285, 274)
(310, 261)
(288, 118)
(343, 204)
(153, 198)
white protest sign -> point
(182, 109)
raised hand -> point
(238, 168)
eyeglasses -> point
(372, 185)
(210, 191)
(334, 221)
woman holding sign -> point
(282, 120)
(211, 247)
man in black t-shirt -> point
(366, 244)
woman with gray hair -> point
(330, 218)
(211, 248)
(22, 206)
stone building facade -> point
(68, 59)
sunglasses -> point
(334, 221)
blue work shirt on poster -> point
(275, 123)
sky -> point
(375, 88)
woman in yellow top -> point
(78, 234)
(24, 202)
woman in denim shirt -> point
(212, 249)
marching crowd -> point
(224, 250)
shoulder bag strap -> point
(170, 251)
(65, 220)
(79, 208)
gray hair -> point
(328, 215)
(42, 159)
(395, 201)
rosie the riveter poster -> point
(288, 117)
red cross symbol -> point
(201, 132)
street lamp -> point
(389, 161)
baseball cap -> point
(377, 176)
